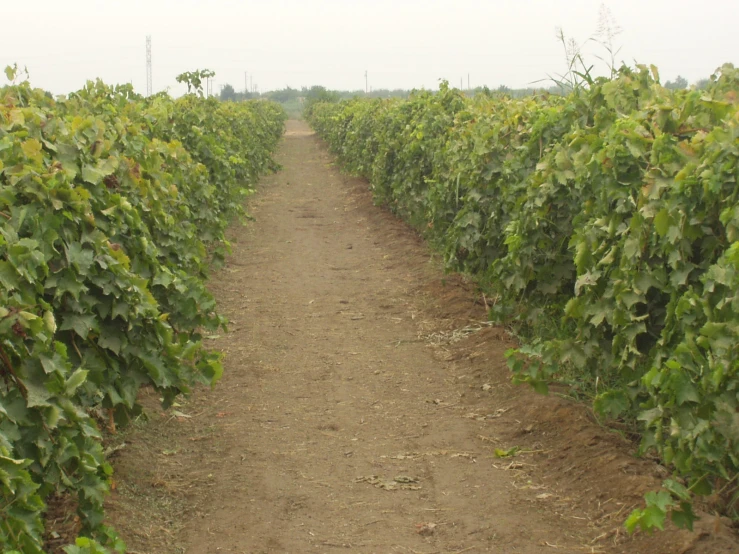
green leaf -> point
(50, 322)
(8, 276)
(583, 257)
(38, 395)
(93, 175)
(111, 341)
(634, 521)
(612, 403)
(81, 324)
(676, 489)
(653, 518)
(79, 257)
(685, 390)
(662, 222)
(75, 380)
(684, 517)
(659, 499)
(32, 150)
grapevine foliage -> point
(112, 206)
(607, 223)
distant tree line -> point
(296, 98)
(681, 83)
(228, 93)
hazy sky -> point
(401, 43)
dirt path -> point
(362, 405)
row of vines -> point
(605, 225)
(112, 208)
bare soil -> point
(362, 405)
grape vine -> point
(112, 208)
(606, 225)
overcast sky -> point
(400, 43)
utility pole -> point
(468, 81)
(366, 82)
(246, 83)
(149, 81)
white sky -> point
(401, 43)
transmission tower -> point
(149, 82)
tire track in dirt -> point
(362, 405)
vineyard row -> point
(604, 225)
(112, 208)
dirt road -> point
(362, 406)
